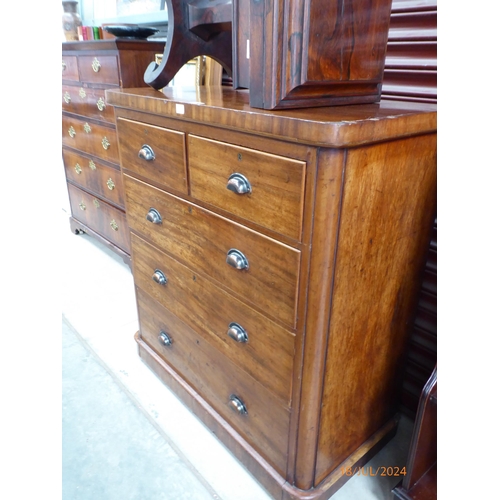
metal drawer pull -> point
(114, 225)
(105, 143)
(87, 128)
(237, 405)
(153, 216)
(146, 153)
(82, 93)
(110, 184)
(96, 65)
(67, 97)
(236, 259)
(78, 169)
(165, 339)
(237, 332)
(159, 277)
(238, 183)
(101, 104)
(71, 131)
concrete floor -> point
(125, 435)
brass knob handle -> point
(146, 153)
(87, 128)
(67, 97)
(96, 65)
(239, 184)
(114, 225)
(97, 205)
(82, 205)
(92, 165)
(237, 259)
(159, 277)
(71, 131)
(237, 333)
(82, 93)
(101, 104)
(237, 405)
(78, 169)
(105, 142)
(165, 339)
(110, 184)
(154, 216)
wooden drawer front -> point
(106, 66)
(216, 378)
(104, 219)
(202, 240)
(87, 102)
(69, 68)
(168, 166)
(268, 354)
(95, 176)
(89, 137)
(277, 184)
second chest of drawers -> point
(90, 147)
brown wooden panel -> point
(102, 218)
(380, 254)
(202, 239)
(87, 101)
(99, 68)
(97, 139)
(95, 176)
(69, 68)
(215, 377)
(277, 184)
(168, 167)
(267, 357)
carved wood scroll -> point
(195, 28)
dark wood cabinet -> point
(277, 260)
(89, 142)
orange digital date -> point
(373, 471)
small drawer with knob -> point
(153, 153)
(99, 69)
(262, 348)
(106, 220)
(263, 188)
(93, 175)
(240, 399)
(259, 270)
(96, 139)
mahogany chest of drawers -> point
(277, 257)
(90, 148)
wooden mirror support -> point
(195, 28)
(308, 53)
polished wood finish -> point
(169, 164)
(317, 53)
(90, 146)
(97, 177)
(195, 28)
(369, 197)
(277, 184)
(202, 239)
(105, 219)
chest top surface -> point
(334, 126)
